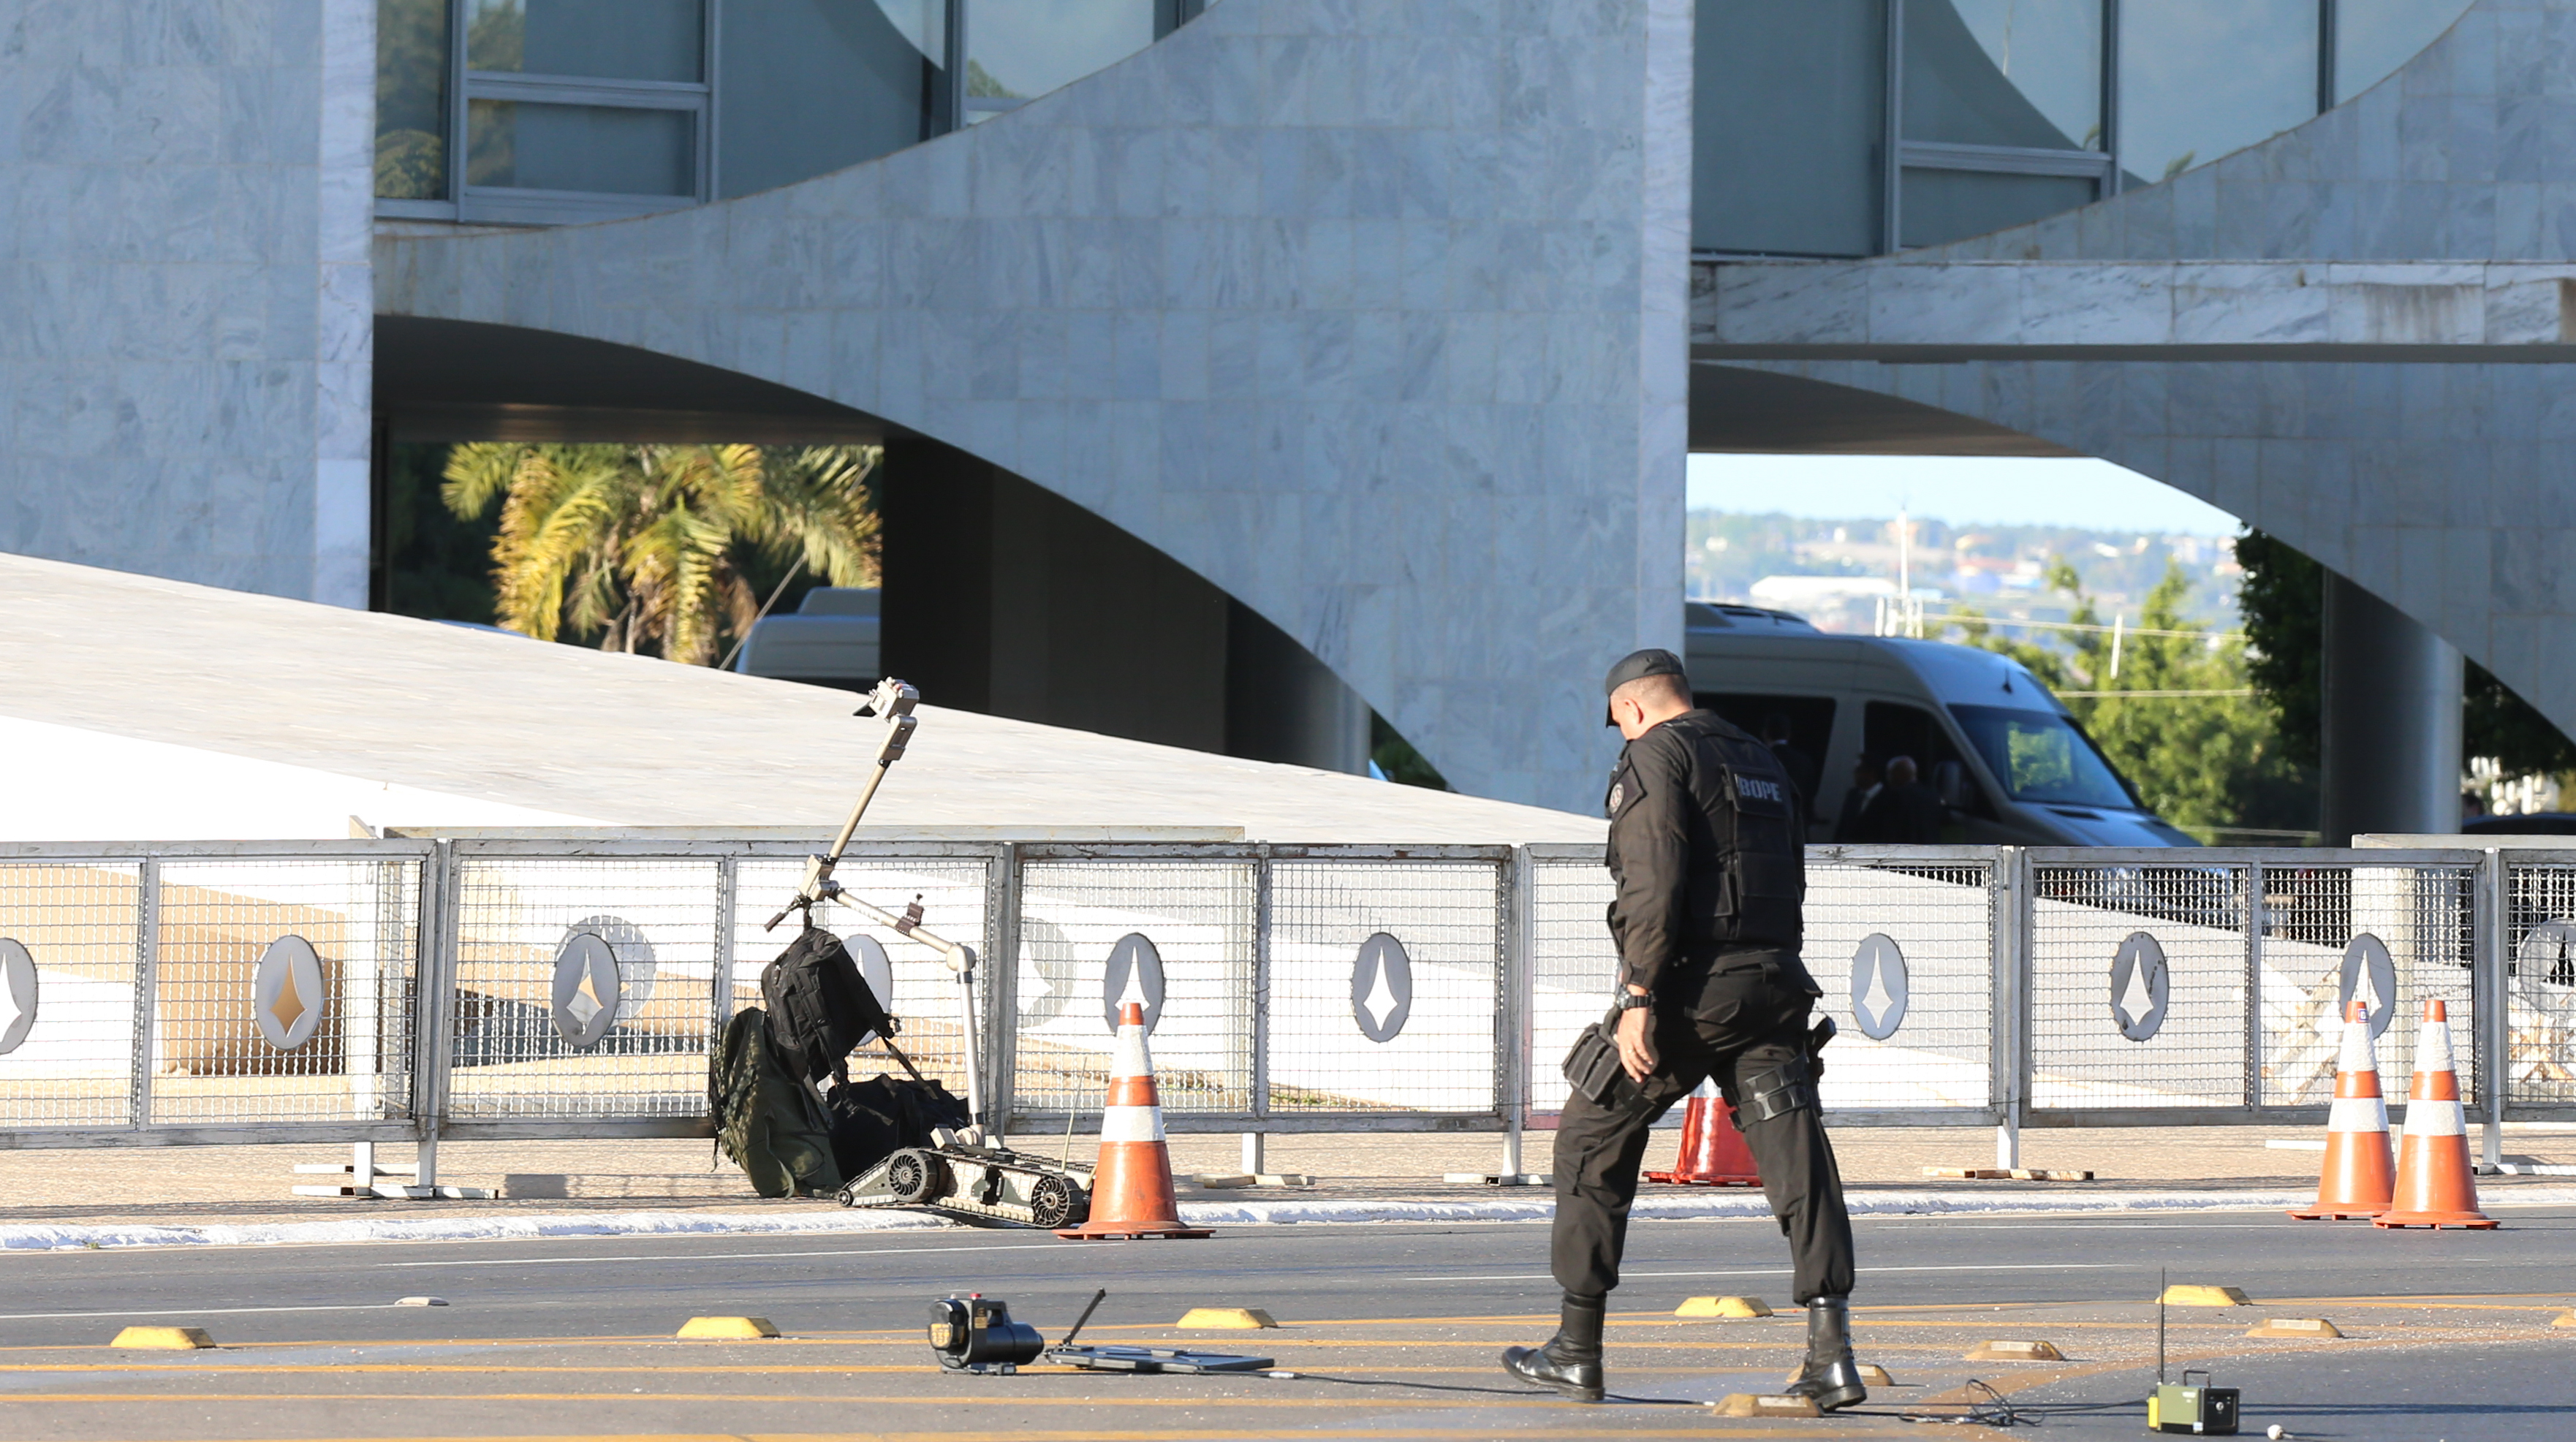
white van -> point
(2010, 765)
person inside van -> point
(1905, 812)
(1804, 772)
(1864, 790)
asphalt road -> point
(2448, 1334)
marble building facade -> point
(1380, 316)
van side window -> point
(1892, 728)
(1809, 720)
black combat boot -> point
(1830, 1376)
(1571, 1360)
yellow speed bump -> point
(1235, 1319)
(2564, 1319)
(1724, 1307)
(2295, 1327)
(1763, 1404)
(726, 1329)
(1870, 1372)
(2191, 1294)
(163, 1339)
(2014, 1352)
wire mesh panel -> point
(2138, 986)
(1905, 953)
(914, 981)
(282, 989)
(547, 1026)
(1574, 968)
(2540, 982)
(1176, 937)
(1384, 982)
(67, 975)
(2394, 937)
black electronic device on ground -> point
(975, 1333)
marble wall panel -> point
(188, 238)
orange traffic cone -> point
(2434, 1185)
(2359, 1178)
(1131, 1193)
(1713, 1151)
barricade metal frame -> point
(1510, 931)
(147, 1027)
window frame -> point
(518, 205)
(1897, 154)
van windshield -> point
(2040, 756)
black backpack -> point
(819, 1006)
(874, 1119)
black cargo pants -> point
(1735, 1017)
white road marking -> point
(739, 1256)
(161, 1311)
(1784, 1271)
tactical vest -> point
(1762, 884)
(1747, 881)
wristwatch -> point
(1634, 1001)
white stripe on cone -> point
(2358, 1114)
(1131, 1124)
(2436, 1119)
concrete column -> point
(2388, 718)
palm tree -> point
(640, 544)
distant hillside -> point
(1997, 569)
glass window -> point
(1946, 205)
(610, 39)
(2040, 756)
(2202, 78)
(811, 86)
(1790, 115)
(1016, 49)
(411, 99)
(600, 148)
(2374, 37)
(2004, 72)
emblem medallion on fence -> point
(2544, 1003)
(17, 994)
(585, 990)
(1381, 988)
(1878, 986)
(1134, 973)
(2140, 987)
(286, 993)
(2369, 975)
(877, 970)
(637, 966)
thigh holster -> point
(1775, 1093)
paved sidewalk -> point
(182, 1186)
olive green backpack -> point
(769, 1123)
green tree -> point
(647, 546)
(2203, 759)
(2283, 601)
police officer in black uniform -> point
(1705, 833)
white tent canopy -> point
(142, 709)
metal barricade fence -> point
(209, 992)
(2535, 1040)
(375, 990)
